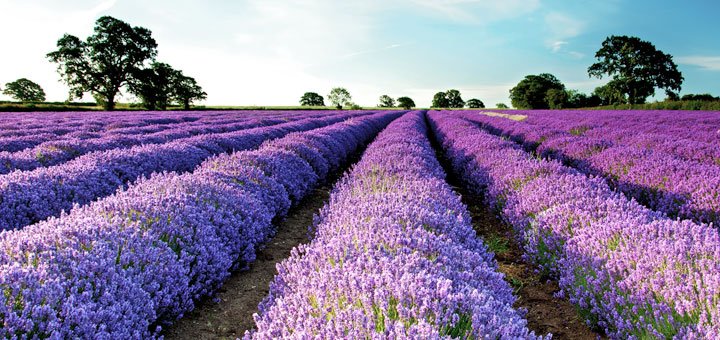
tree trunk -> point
(186, 104)
(110, 102)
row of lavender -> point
(53, 150)
(700, 126)
(122, 267)
(630, 270)
(678, 187)
(21, 137)
(30, 197)
(60, 123)
(691, 136)
(394, 256)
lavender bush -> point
(394, 256)
(630, 271)
(124, 266)
(30, 197)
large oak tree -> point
(636, 68)
(105, 61)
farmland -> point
(360, 224)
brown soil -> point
(546, 313)
(229, 315)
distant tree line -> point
(119, 57)
(340, 97)
(635, 67)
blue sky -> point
(268, 52)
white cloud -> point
(560, 28)
(711, 63)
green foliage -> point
(556, 98)
(312, 99)
(448, 99)
(475, 104)
(186, 90)
(501, 106)
(636, 68)
(454, 99)
(386, 101)
(159, 85)
(531, 92)
(699, 97)
(153, 85)
(105, 61)
(609, 94)
(354, 106)
(577, 99)
(24, 90)
(439, 100)
(339, 97)
(406, 103)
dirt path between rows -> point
(546, 313)
(229, 315)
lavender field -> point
(120, 225)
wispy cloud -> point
(711, 63)
(561, 28)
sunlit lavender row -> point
(650, 161)
(128, 264)
(393, 256)
(631, 272)
(59, 149)
(32, 196)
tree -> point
(636, 68)
(440, 100)
(386, 101)
(700, 97)
(105, 61)
(159, 85)
(186, 90)
(475, 104)
(406, 103)
(312, 99)
(154, 85)
(339, 97)
(531, 92)
(24, 90)
(454, 99)
(556, 98)
(609, 94)
(501, 106)
(577, 99)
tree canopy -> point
(406, 103)
(154, 85)
(531, 92)
(339, 97)
(501, 106)
(448, 99)
(386, 101)
(475, 104)
(312, 99)
(186, 90)
(636, 68)
(439, 100)
(24, 90)
(105, 61)
(609, 94)
(160, 85)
